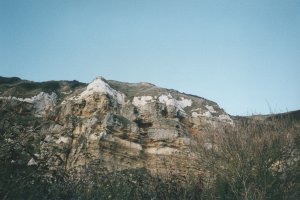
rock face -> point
(118, 125)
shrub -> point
(251, 161)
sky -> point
(244, 55)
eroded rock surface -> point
(119, 125)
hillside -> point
(76, 131)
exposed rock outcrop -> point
(119, 125)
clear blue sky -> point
(242, 54)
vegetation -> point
(254, 160)
(22, 88)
